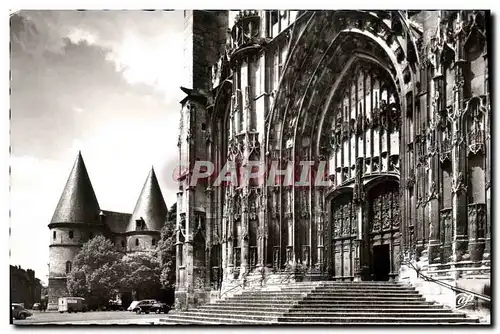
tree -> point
(142, 274)
(166, 250)
(96, 272)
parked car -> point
(134, 304)
(19, 312)
(144, 306)
(160, 308)
(36, 306)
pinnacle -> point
(78, 202)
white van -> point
(71, 304)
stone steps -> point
(327, 292)
(376, 303)
(363, 320)
(326, 308)
(330, 313)
(351, 296)
(373, 302)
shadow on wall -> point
(482, 303)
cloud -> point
(145, 46)
(154, 61)
(104, 82)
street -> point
(90, 318)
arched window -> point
(54, 235)
(123, 244)
(153, 242)
(71, 234)
(68, 267)
(137, 242)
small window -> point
(54, 235)
(137, 242)
(71, 234)
(139, 223)
(203, 126)
(68, 267)
(153, 242)
(123, 244)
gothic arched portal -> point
(364, 126)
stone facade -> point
(78, 218)
(396, 103)
(25, 288)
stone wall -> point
(58, 256)
(145, 242)
(57, 289)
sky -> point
(103, 82)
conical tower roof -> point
(150, 206)
(78, 203)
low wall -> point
(445, 296)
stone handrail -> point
(464, 296)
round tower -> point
(75, 221)
(144, 227)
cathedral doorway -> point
(382, 237)
(381, 263)
(344, 232)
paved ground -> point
(87, 318)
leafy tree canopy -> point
(142, 274)
(166, 251)
(96, 271)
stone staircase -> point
(311, 303)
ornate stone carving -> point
(458, 184)
(377, 214)
(476, 137)
(431, 142)
(360, 124)
(385, 211)
(237, 256)
(410, 181)
(337, 221)
(476, 110)
(433, 192)
(253, 256)
(375, 164)
(394, 163)
(395, 211)
(420, 201)
(446, 146)
(358, 192)
(276, 258)
(305, 255)
(346, 219)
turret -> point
(144, 227)
(75, 221)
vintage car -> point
(19, 312)
(160, 307)
(144, 306)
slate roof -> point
(150, 206)
(116, 221)
(78, 202)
